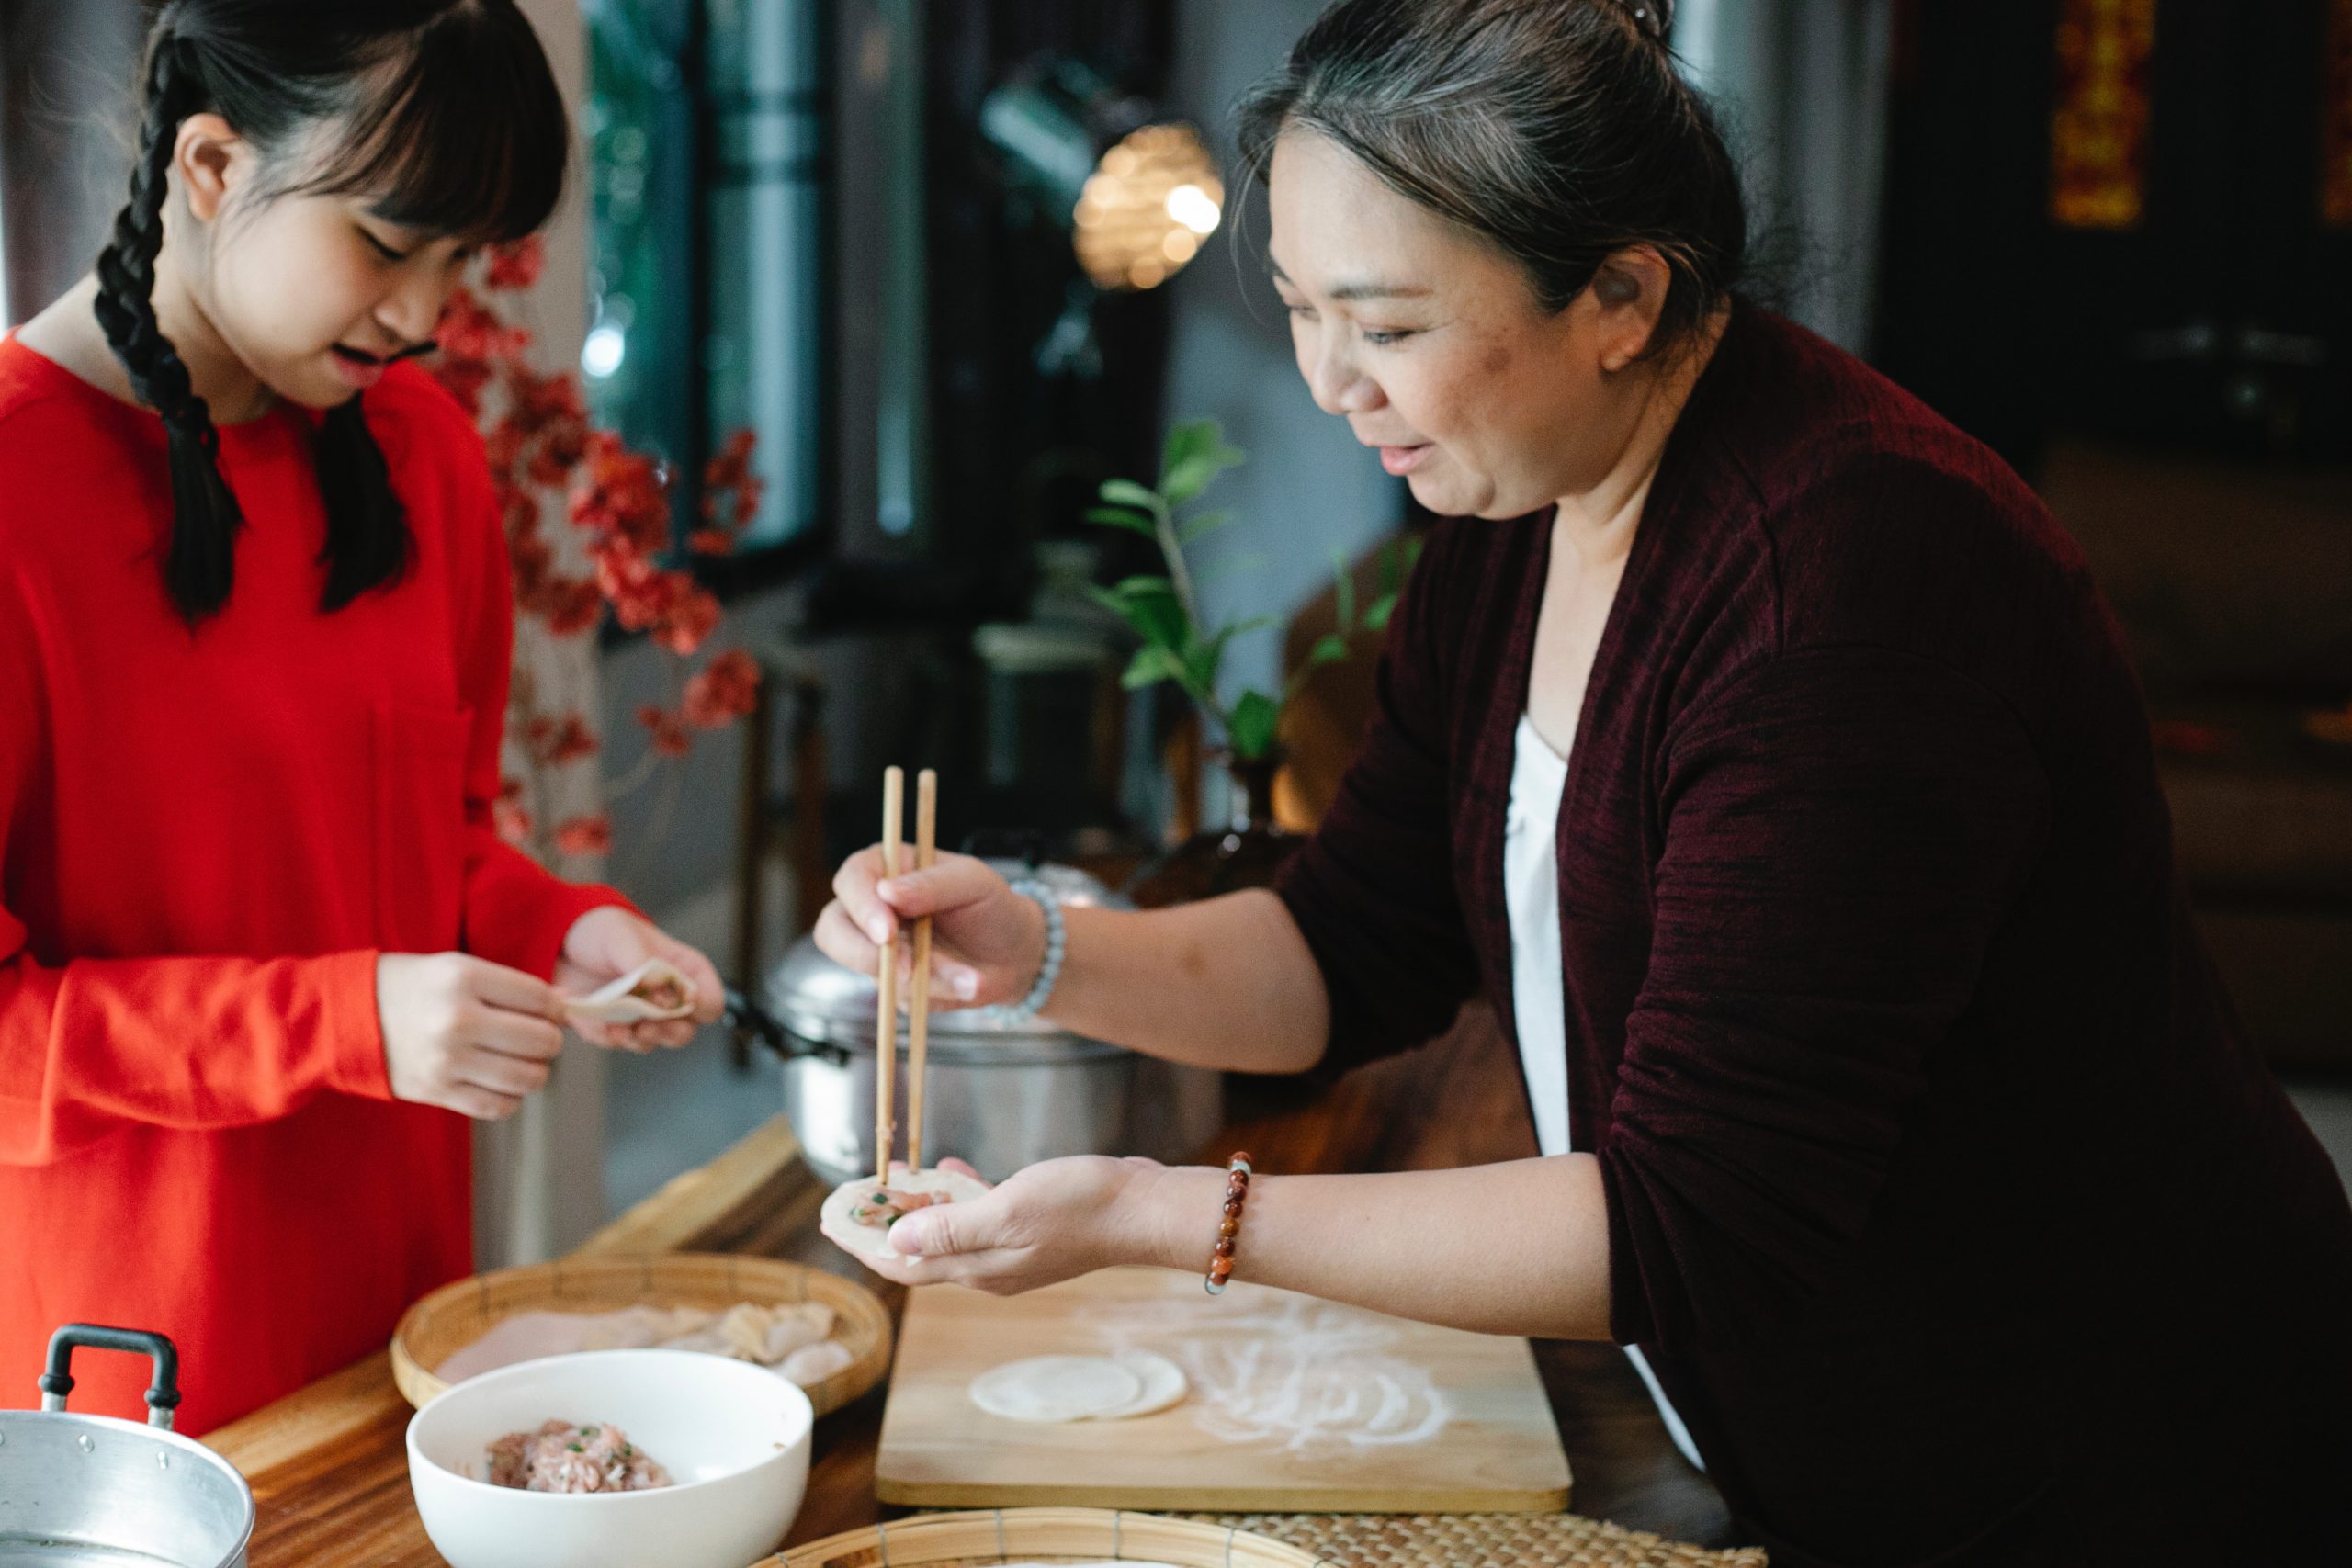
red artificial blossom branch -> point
(540, 440)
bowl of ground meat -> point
(671, 1457)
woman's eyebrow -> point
(1368, 290)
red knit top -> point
(206, 839)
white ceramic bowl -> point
(734, 1436)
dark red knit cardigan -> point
(1943, 1193)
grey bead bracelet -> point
(1028, 1006)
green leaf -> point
(1207, 522)
(1343, 582)
(1120, 517)
(1188, 440)
(1152, 608)
(1193, 475)
(1108, 600)
(1202, 659)
(1251, 728)
(1396, 563)
(1149, 667)
(1126, 493)
(1330, 650)
(1156, 617)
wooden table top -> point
(330, 1470)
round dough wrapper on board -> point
(1054, 1389)
(1163, 1384)
(873, 1241)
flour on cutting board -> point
(1313, 1377)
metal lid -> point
(820, 1001)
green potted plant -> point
(1178, 644)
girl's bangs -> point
(470, 137)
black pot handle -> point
(58, 1381)
(749, 1021)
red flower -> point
(542, 441)
(557, 741)
(465, 379)
(727, 689)
(503, 446)
(668, 730)
(573, 606)
(516, 266)
(622, 494)
(590, 835)
(731, 491)
(470, 330)
(532, 561)
(507, 817)
(692, 617)
(545, 400)
(560, 452)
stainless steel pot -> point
(94, 1492)
(999, 1094)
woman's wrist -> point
(1037, 930)
(1171, 1221)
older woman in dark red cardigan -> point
(1760, 746)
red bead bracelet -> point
(1228, 1226)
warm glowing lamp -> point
(1137, 197)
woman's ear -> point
(1630, 288)
(211, 159)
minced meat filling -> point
(565, 1456)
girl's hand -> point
(1052, 1222)
(987, 941)
(464, 1034)
(605, 944)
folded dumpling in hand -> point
(654, 991)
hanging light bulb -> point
(1147, 206)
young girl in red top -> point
(261, 954)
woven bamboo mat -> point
(1479, 1541)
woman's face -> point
(1433, 345)
(313, 294)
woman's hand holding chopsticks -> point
(986, 941)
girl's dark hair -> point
(444, 110)
(1558, 129)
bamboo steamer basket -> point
(1044, 1535)
(459, 1313)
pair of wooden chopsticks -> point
(886, 1031)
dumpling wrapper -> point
(873, 1241)
(1163, 1380)
(1051, 1389)
(624, 1000)
(1025, 1391)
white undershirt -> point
(1539, 776)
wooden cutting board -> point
(1297, 1405)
